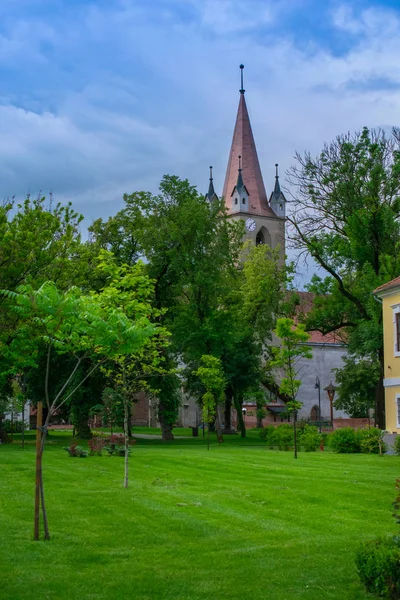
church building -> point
(246, 198)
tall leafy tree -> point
(288, 358)
(346, 216)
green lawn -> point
(238, 521)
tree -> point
(192, 252)
(130, 289)
(288, 357)
(257, 299)
(356, 382)
(346, 216)
(211, 375)
(212, 300)
(69, 323)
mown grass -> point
(237, 522)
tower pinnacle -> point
(242, 91)
(211, 195)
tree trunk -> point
(39, 489)
(228, 411)
(36, 519)
(295, 433)
(380, 396)
(4, 437)
(126, 440)
(166, 428)
(241, 423)
(23, 426)
(82, 429)
(218, 428)
(259, 421)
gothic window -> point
(235, 200)
(260, 238)
(263, 237)
(244, 201)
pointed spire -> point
(211, 195)
(243, 144)
(277, 188)
(242, 91)
(239, 183)
(277, 200)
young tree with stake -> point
(75, 324)
(286, 358)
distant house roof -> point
(316, 337)
(388, 286)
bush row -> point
(282, 437)
(349, 441)
(13, 426)
(345, 441)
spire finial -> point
(242, 90)
(211, 177)
(240, 162)
(276, 167)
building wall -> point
(274, 226)
(326, 357)
(392, 362)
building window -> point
(396, 329)
(235, 200)
(244, 201)
(260, 238)
(398, 412)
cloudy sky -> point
(102, 97)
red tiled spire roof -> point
(243, 145)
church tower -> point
(244, 192)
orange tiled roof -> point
(388, 286)
(316, 337)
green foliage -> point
(346, 216)
(348, 440)
(282, 437)
(344, 441)
(13, 426)
(212, 377)
(397, 445)
(356, 381)
(76, 451)
(116, 450)
(278, 437)
(371, 441)
(378, 566)
(310, 438)
(288, 355)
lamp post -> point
(244, 411)
(331, 393)
(318, 387)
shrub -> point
(371, 441)
(282, 437)
(345, 441)
(310, 438)
(116, 450)
(266, 433)
(378, 565)
(13, 426)
(76, 451)
(96, 445)
(397, 445)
